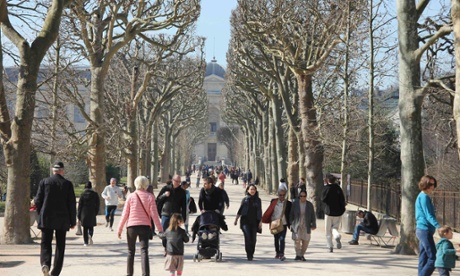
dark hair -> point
(303, 191)
(249, 186)
(330, 178)
(425, 182)
(184, 183)
(88, 185)
(210, 180)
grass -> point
(79, 188)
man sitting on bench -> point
(368, 225)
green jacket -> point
(445, 255)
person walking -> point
(111, 194)
(279, 208)
(139, 210)
(57, 213)
(184, 185)
(172, 199)
(303, 220)
(426, 224)
(446, 254)
(88, 208)
(210, 197)
(173, 240)
(334, 207)
(250, 212)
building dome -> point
(212, 68)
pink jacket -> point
(134, 215)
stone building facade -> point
(211, 152)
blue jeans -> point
(358, 228)
(165, 222)
(427, 255)
(280, 242)
(444, 271)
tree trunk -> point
(410, 103)
(456, 22)
(313, 146)
(280, 142)
(165, 158)
(155, 164)
(16, 226)
(293, 158)
(273, 154)
(266, 144)
(96, 151)
(370, 126)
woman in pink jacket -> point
(140, 207)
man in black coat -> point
(56, 208)
(211, 198)
(334, 206)
(368, 225)
(170, 200)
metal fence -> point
(386, 199)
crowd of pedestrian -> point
(55, 203)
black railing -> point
(386, 199)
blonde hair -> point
(175, 221)
(444, 230)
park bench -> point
(387, 234)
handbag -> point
(151, 233)
(79, 232)
(276, 226)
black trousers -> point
(132, 233)
(87, 231)
(250, 238)
(46, 249)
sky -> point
(214, 24)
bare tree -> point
(104, 27)
(411, 95)
(16, 132)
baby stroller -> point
(207, 227)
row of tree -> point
(141, 92)
(296, 70)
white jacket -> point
(111, 195)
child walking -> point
(173, 240)
(446, 253)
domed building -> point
(211, 152)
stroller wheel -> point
(216, 258)
(195, 257)
(220, 256)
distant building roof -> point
(212, 68)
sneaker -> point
(277, 256)
(282, 258)
(303, 259)
(297, 258)
(331, 249)
(111, 229)
(353, 242)
(85, 244)
(90, 240)
(45, 270)
(339, 244)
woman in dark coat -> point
(250, 212)
(88, 208)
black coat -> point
(88, 208)
(176, 202)
(211, 199)
(334, 200)
(56, 203)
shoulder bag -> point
(151, 221)
(277, 226)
